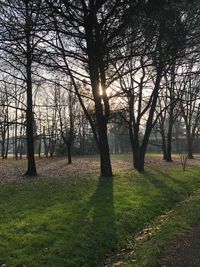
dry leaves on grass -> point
(12, 170)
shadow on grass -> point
(75, 224)
(70, 230)
(185, 184)
(170, 186)
(94, 226)
(163, 184)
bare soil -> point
(184, 252)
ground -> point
(67, 216)
(12, 170)
(184, 252)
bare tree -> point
(168, 111)
(142, 75)
(86, 33)
(4, 118)
(67, 109)
(190, 104)
(21, 33)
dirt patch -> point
(184, 252)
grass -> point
(164, 231)
(77, 221)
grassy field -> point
(79, 220)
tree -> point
(21, 33)
(168, 111)
(87, 32)
(4, 117)
(67, 109)
(190, 103)
(161, 42)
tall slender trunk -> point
(164, 147)
(7, 131)
(171, 115)
(21, 149)
(16, 138)
(46, 146)
(39, 147)
(169, 143)
(7, 142)
(3, 144)
(40, 136)
(131, 142)
(31, 168)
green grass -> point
(77, 221)
(165, 230)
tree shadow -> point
(168, 185)
(95, 226)
(159, 183)
(182, 183)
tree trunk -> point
(164, 147)
(15, 133)
(21, 148)
(31, 168)
(3, 145)
(139, 156)
(7, 142)
(171, 116)
(138, 152)
(132, 144)
(140, 149)
(140, 167)
(169, 143)
(190, 146)
(51, 153)
(69, 155)
(39, 147)
(46, 149)
(105, 162)
(98, 78)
